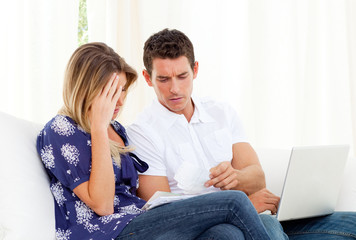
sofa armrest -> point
(26, 202)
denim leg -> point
(222, 232)
(339, 225)
(189, 218)
(273, 227)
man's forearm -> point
(250, 175)
(250, 179)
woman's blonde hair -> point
(88, 71)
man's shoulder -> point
(146, 121)
(208, 101)
(144, 131)
(211, 104)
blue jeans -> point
(222, 231)
(273, 227)
(221, 215)
(339, 225)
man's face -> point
(172, 80)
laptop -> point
(312, 182)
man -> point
(180, 129)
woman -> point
(93, 174)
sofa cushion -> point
(274, 163)
(26, 203)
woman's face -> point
(120, 102)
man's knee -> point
(222, 232)
(235, 195)
(270, 221)
(273, 227)
(237, 201)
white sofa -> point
(26, 203)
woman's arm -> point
(99, 192)
(151, 184)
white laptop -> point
(312, 182)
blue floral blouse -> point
(65, 150)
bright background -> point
(287, 66)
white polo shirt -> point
(164, 140)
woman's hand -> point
(99, 192)
(102, 109)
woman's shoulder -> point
(62, 138)
(60, 122)
(61, 126)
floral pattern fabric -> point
(65, 150)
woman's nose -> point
(120, 102)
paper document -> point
(191, 178)
(159, 198)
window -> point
(83, 23)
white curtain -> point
(287, 66)
(351, 30)
(37, 39)
(116, 22)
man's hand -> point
(223, 176)
(264, 200)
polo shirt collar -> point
(165, 117)
(200, 114)
(168, 118)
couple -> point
(93, 164)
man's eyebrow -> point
(162, 76)
(180, 74)
(183, 73)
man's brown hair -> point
(167, 44)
